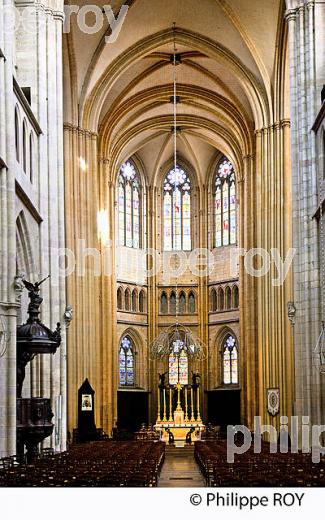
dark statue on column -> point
(162, 380)
(195, 379)
(34, 415)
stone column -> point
(8, 306)
(304, 90)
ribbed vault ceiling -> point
(225, 79)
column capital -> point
(290, 15)
(285, 123)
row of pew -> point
(263, 469)
(97, 464)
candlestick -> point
(198, 418)
(159, 416)
(192, 407)
(186, 416)
(170, 405)
(164, 416)
(179, 388)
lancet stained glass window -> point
(126, 362)
(129, 206)
(177, 211)
(178, 365)
(225, 204)
(230, 361)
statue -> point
(19, 286)
(170, 436)
(68, 315)
(162, 380)
(195, 379)
(292, 312)
(56, 335)
(189, 435)
(33, 294)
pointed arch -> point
(31, 157)
(24, 145)
(127, 299)
(213, 300)
(142, 301)
(126, 361)
(235, 297)
(226, 353)
(134, 300)
(229, 360)
(191, 303)
(17, 133)
(130, 203)
(172, 303)
(182, 303)
(120, 298)
(228, 298)
(139, 358)
(163, 303)
(177, 225)
(221, 299)
(225, 204)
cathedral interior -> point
(162, 213)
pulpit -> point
(34, 415)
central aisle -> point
(180, 469)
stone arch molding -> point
(221, 335)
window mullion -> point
(132, 216)
(172, 221)
(124, 187)
(222, 217)
(229, 226)
(182, 222)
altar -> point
(179, 355)
(179, 426)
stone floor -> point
(180, 469)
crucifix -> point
(178, 388)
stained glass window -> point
(126, 362)
(225, 204)
(230, 361)
(177, 211)
(129, 206)
(183, 368)
(178, 365)
(173, 370)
